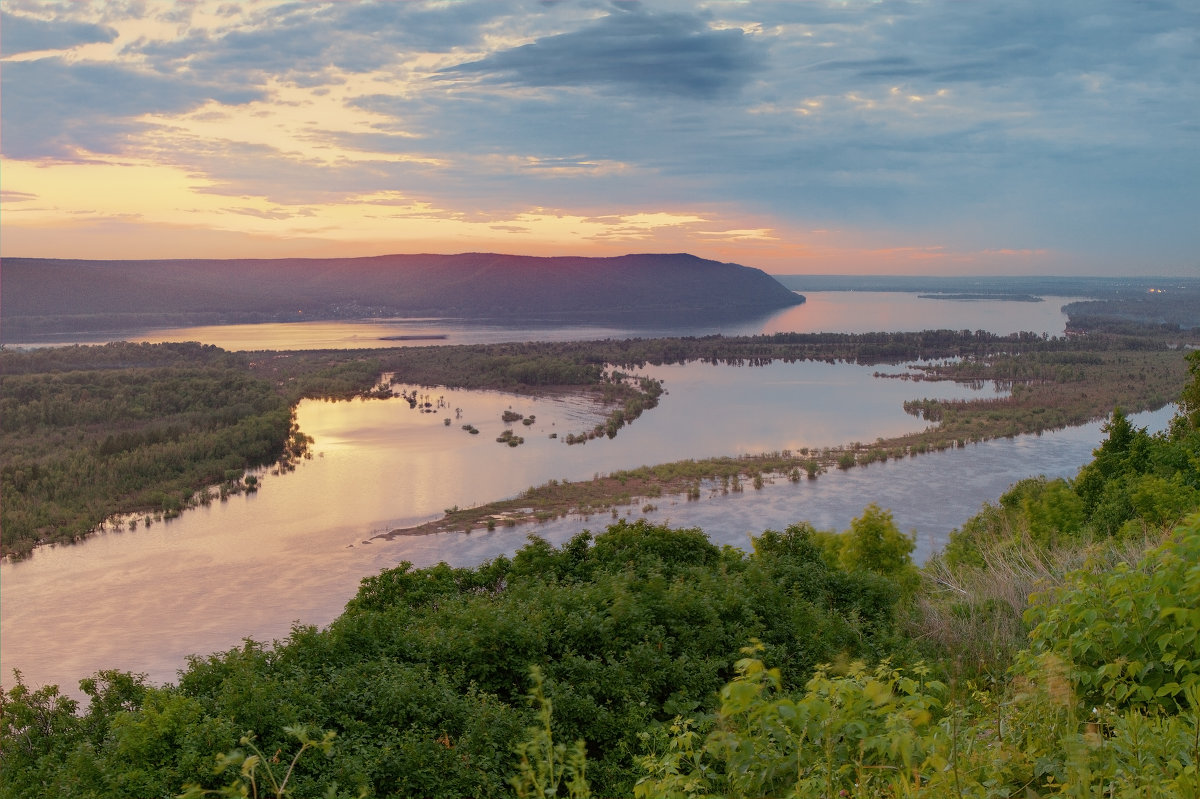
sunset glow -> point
(806, 137)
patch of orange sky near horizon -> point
(156, 201)
(130, 208)
(119, 238)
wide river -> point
(823, 311)
(252, 566)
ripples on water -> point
(929, 495)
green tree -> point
(1053, 512)
(40, 733)
(874, 543)
(1124, 451)
(1188, 418)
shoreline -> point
(1036, 403)
(727, 474)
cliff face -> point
(81, 294)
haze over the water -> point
(938, 137)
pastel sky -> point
(818, 136)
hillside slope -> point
(41, 295)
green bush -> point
(424, 677)
(1131, 634)
(887, 732)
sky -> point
(983, 137)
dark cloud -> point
(54, 108)
(992, 44)
(674, 54)
(433, 28)
(19, 34)
(285, 42)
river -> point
(145, 600)
(822, 311)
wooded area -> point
(91, 432)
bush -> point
(1130, 634)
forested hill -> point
(40, 295)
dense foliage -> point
(1129, 634)
(405, 690)
(1104, 701)
(86, 433)
(424, 676)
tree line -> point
(88, 433)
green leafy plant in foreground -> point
(1105, 702)
(254, 769)
(858, 734)
(545, 766)
(887, 732)
(1131, 633)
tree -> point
(1123, 451)
(874, 543)
(1053, 512)
(1188, 419)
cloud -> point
(10, 196)
(21, 34)
(1022, 125)
(55, 109)
(311, 44)
(287, 179)
(668, 54)
(261, 214)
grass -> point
(977, 612)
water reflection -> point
(930, 495)
(144, 600)
(823, 311)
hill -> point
(40, 296)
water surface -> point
(294, 552)
(823, 311)
(143, 599)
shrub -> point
(1131, 634)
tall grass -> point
(974, 614)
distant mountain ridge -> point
(41, 295)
